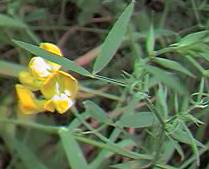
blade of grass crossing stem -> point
(10, 69)
(73, 152)
(113, 39)
(66, 63)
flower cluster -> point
(44, 87)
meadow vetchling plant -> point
(58, 89)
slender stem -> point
(161, 135)
(152, 108)
(50, 129)
(165, 50)
(55, 130)
(115, 149)
(99, 93)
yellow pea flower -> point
(41, 68)
(60, 90)
(28, 104)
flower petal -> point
(53, 49)
(62, 103)
(39, 68)
(27, 79)
(60, 82)
(27, 100)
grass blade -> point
(138, 120)
(114, 39)
(168, 79)
(66, 63)
(74, 154)
(96, 111)
(170, 64)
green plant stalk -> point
(75, 112)
(161, 135)
(56, 130)
(99, 93)
(48, 129)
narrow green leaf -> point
(168, 79)
(96, 111)
(161, 101)
(66, 63)
(113, 39)
(193, 38)
(150, 41)
(183, 137)
(73, 152)
(170, 64)
(115, 148)
(138, 120)
(10, 69)
(6, 21)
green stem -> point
(99, 93)
(165, 50)
(117, 150)
(161, 135)
(49, 129)
(55, 130)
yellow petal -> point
(39, 68)
(60, 82)
(27, 101)
(27, 79)
(53, 49)
(62, 103)
(49, 106)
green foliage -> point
(66, 63)
(113, 39)
(148, 109)
(138, 120)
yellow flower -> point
(28, 104)
(60, 90)
(41, 68)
